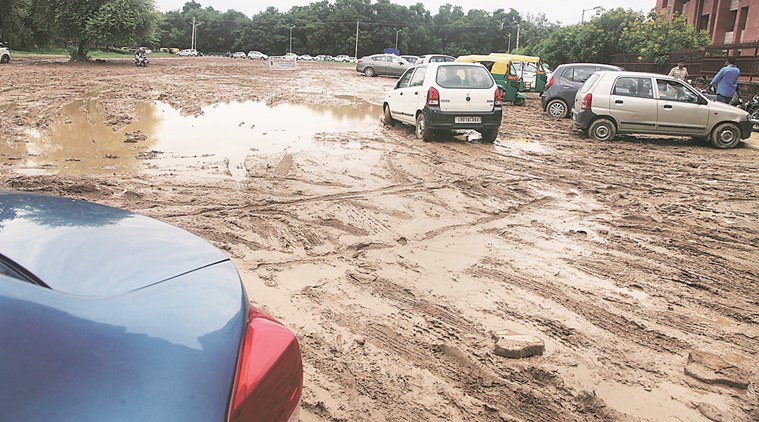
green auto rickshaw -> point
(504, 73)
(527, 66)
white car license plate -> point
(468, 119)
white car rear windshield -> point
(456, 76)
(591, 80)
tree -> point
(84, 22)
(654, 37)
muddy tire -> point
(422, 131)
(369, 71)
(489, 135)
(388, 119)
(602, 130)
(557, 109)
(725, 135)
(518, 102)
(5, 59)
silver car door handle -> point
(619, 102)
(668, 107)
(566, 86)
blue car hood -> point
(87, 249)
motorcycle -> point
(752, 107)
(141, 60)
(711, 94)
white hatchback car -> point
(257, 55)
(446, 96)
(5, 54)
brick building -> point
(726, 21)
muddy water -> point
(79, 141)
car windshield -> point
(458, 76)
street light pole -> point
(582, 19)
(396, 37)
(517, 36)
(192, 41)
(291, 38)
(509, 43)
(356, 53)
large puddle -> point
(80, 141)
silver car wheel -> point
(557, 109)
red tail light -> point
(498, 96)
(586, 100)
(433, 97)
(550, 83)
(269, 378)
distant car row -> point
(304, 57)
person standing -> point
(680, 71)
(726, 81)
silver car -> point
(382, 64)
(630, 102)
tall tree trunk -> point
(81, 52)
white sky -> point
(564, 11)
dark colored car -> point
(106, 315)
(566, 80)
(382, 64)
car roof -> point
(440, 64)
(638, 74)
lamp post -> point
(582, 19)
(509, 43)
(291, 38)
(194, 32)
(396, 37)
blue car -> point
(106, 315)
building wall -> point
(726, 21)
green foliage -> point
(654, 37)
(620, 31)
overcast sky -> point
(564, 11)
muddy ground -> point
(399, 263)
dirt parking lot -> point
(399, 263)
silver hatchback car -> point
(631, 102)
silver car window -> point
(630, 86)
(675, 91)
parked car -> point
(446, 96)
(609, 103)
(305, 57)
(324, 58)
(291, 56)
(352, 59)
(382, 64)
(434, 58)
(410, 59)
(109, 315)
(188, 52)
(562, 86)
(238, 55)
(5, 54)
(257, 55)
(342, 58)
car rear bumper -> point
(438, 119)
(746, 128)
(582, 118)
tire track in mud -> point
(616, 324)
(437, 338)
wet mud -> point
(399, 263)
